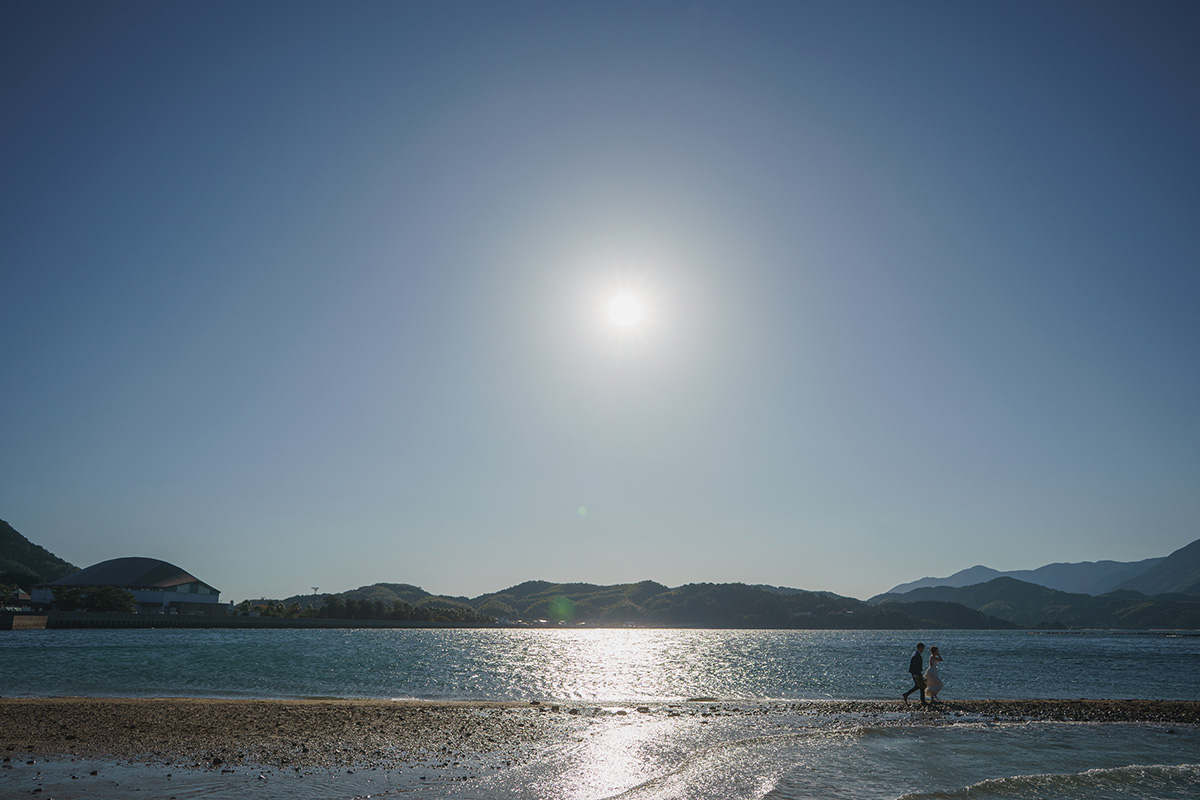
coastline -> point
(317, 734)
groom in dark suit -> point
(916, 668)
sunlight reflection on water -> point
(653, 755)
(596, 665)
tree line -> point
(335, 607)
(93, 598)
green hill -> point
(585, 602)
(697, 605)
(23, 563)
(709, 605)
(379, 601)
(951, 615)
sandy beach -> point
(328, 734)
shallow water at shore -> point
(855, 759)
(626, 721)
(656, 756)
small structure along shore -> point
(153, 586)
(112, 619)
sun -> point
(625, 310)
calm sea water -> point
(655, 756)
(595, 665)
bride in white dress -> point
(933, 680)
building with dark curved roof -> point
(157, 586)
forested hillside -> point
(702, 605)
(732, 605)
(23, 563)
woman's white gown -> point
(933, 681)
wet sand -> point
(378, 734)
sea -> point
(787, 754)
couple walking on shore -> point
(924, 679)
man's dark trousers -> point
(916, 668)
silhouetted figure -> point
(916, 668)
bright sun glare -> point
(625, 310)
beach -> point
(380, 734)
(69, 748)
(589, 715)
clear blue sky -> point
(314, 294)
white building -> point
(157, 587)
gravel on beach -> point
(327, 734)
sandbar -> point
(384, 734)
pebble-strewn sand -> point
(317, 734)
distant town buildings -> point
(156, 586)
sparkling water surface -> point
(654, 756)
(629, 665)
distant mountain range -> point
(1178, 572)
(1087, 577)
(1166, 594)
(991, 600)
(1031, 606)
(1155, 593)
(704, 605)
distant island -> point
(644, 604)
(1002, 602)
(999, 603)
